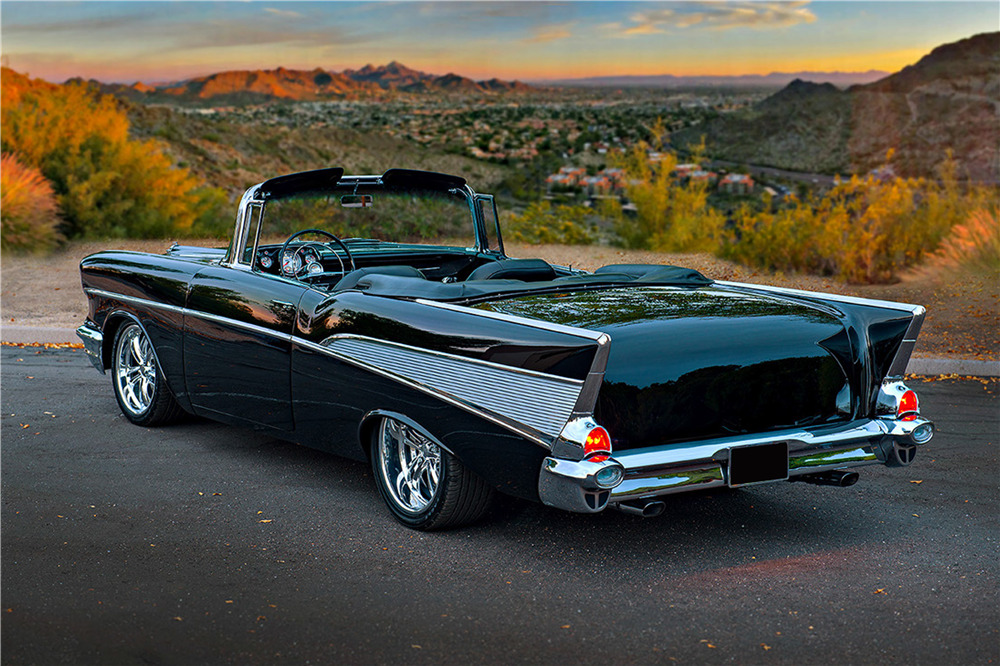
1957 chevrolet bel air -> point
(460, 372)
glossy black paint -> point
(160, 279)
(333, 398)
(238, 374)
(237, 371)
(685, 362)
(694, 363)
(458, 333)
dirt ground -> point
(963, 315)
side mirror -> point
(357, 201)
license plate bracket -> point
(760, 463)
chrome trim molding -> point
(93, 343)
(568, 389)
(261, 330)
(595, 377)
(839, 298)
(454, 357)
(515, 319)
(500, 420)
(490, 387)
(902, 357)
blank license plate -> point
(758, 464)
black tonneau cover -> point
(397, 286)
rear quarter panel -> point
(333, 396)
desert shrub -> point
(672, 215)
(29, 214)
(107, 184)
(972, 246)
(863, 230)
(542, 222)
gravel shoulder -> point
(963, 316)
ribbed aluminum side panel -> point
(541, 402)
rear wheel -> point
(140, 388)
(425, 487)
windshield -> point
(406, 216)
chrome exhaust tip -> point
(645, 509)
(842, 478)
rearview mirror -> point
(357, 201)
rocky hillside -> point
(803, 127)
(259, 86)
(234, 155)
(949, 100)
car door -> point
(237, 345)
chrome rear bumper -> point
(663, 470)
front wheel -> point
(425, 487)
(140, 388)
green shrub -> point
(543, 223)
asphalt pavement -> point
(204, 543)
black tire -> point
(139, 386)
(458, 497)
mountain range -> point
(948, 101)
(371, 82)
(772, 80)
(258, 86)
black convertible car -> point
(460, 372)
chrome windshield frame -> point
(254, 196)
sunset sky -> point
(158, 41)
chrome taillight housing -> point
(897, 401)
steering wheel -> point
(333, 239)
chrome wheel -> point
(410, 466)
(135, 371)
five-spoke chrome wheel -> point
(411, 463)
(424, 485)
(139, 387)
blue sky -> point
(157, 41)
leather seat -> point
(527, 270)
(350, 280)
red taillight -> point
(598, 442)
(907, 404)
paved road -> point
(203, 543)
(799, 176)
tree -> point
(106, 183)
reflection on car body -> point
(460, 373)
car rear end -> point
(729, 386)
